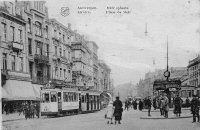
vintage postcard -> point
(100, 64)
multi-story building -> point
(82, 67)
(104, 77)
(15, 74)
(194, 74)
(94, 48)
(60, 48)
(37, 24)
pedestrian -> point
(126, 105)
(148, 103)
(109, 112)
(140, 105)
(154, 103)
(118, 110)
(195, 108)
(187, 102)
(135, 105)
(177, 105)
(166, 105)
(37, 109)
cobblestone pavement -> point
(96, 121)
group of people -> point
(134, 104)
(30, 110)
(114, 109)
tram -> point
(67, 101)
(59, 101)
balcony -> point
(41, 59)
(40, 80)
(16, 46)
(4, 9)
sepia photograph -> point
(100, 64)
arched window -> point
(38, 28)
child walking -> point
(109, 112)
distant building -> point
(194, 74)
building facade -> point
(37, 52)
(60, 56)
(14, 63)
(194, 74)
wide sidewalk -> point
(155, 114)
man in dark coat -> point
(135, 105)
(140, 105)
(177, 105)
(148, 103)
(195, 108)
(118, 110)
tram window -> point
(45, 97)
(53, 96)
(65, 96)
(75, 97)
(83, 97)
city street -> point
(96, 121)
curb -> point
(159, 110)
(165, 118)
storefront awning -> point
(19, 90)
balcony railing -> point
(40, 80)
(41, 59)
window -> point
(46, 32)
(65, 96)
(83, 99)
(60, 51)
(20, 35)
(60, 72)
(13, 62)
(64, 73)
(55, 50)
(29, 25)
(38, 28)
(38, 47)
(31, 68)
(47, 52)
(53, 96)
(64, 53)
(29, 46)
(12, 33)
(12, 8)
(63, 38)
(4, 61)
(45, 97)
(21, 64)
(56, 71)
(4, 31)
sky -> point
(122, 42)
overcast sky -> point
(121, 38)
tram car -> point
(90, 101)
(59, 101)
(68, 101)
